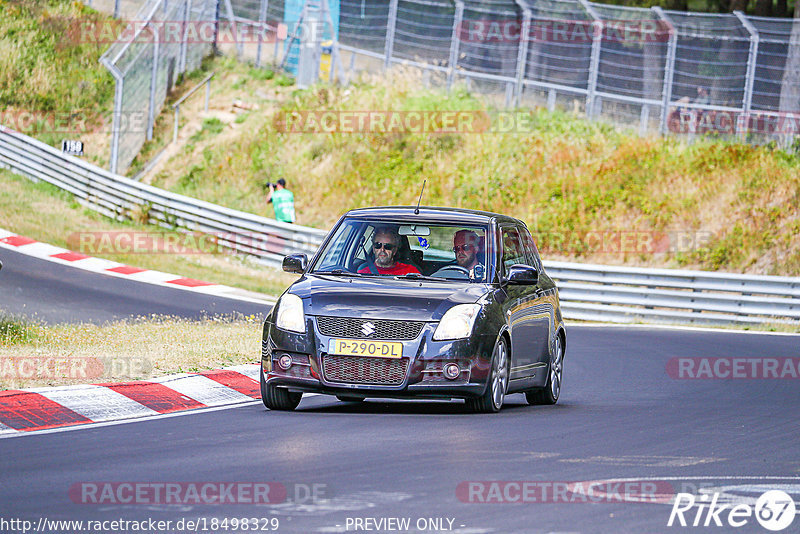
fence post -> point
(669, 68)
(116, 8)
(151, 116)
(752, 60)
(391, 24)
(522, 51)
(262, 26)
(594, 66)
(455, 40)
(117, 116)
(234, 29)
(187, 16)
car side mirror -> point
(295, 263)
(522, 275)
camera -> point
(270, 185)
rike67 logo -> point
(774, 510)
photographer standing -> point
(282, 200)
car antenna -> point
(416, 210)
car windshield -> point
(409, 250)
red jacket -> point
(398, 269)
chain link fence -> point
(654, 70)
(162, 41)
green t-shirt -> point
(283, 202)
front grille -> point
(361, 370)
(383, 329)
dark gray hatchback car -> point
(430, 302)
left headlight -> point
(457, 322)
(290, 314)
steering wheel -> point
(455, 268)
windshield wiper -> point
(417, 276)
(339, 272)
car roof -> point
(439, 214)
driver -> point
(385, 246)
(466, 245)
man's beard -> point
(384, 262)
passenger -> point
(386, 245)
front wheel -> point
(552, 389)
(276, 398)
(492, 399)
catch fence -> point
(682, 73)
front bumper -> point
(418, 373)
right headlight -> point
(290, 314)
(457, 322)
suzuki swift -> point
(404, 302)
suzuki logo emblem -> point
(367, 329)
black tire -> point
(496, 387)
(345, 398)
(276, 398)
(551, 391)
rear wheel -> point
(492, 399)
(276, 398)
(552, 389)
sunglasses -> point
(465, 248)
(377, 245)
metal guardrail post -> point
(752, 60)
(669, 68)
(151, 116)
(594, 65)
(522, 51)
(391, 24)
(262, 26)
(455, 41)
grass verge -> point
(33, 355)
(51, 82)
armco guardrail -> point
(116, 196)
(627, 294)
(588, 292)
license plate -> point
(373, 349)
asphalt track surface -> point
(56, 293)
(620, 416)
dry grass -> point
(124, 350)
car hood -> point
(383, 298)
